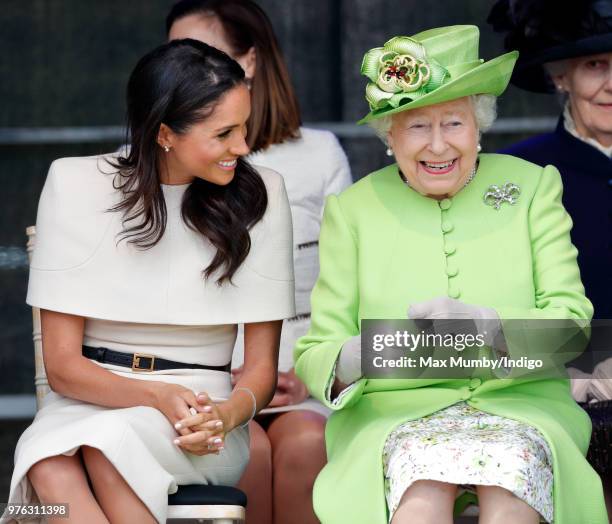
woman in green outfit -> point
(447, 233)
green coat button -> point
(475, 382)
(445, 204)
(447, 226)
(454, 291)
(452, 270)
(449, 248)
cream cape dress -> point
(153, 302)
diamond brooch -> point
(495, 195)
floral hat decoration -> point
(429, 68)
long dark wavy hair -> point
(179, 84)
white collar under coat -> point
(570, 127)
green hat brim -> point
(490, 77)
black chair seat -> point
(207, 495)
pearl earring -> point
(389, 151)
(479, 148)
(167, 149)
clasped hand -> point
(196, 418)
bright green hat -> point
(429, 68)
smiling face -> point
(209, 149)
(436, 146)
(588, 82)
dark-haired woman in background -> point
(144, 266)
(288, 454)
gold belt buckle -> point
(136, 362)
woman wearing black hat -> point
(569, 51)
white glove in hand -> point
(444, 308)
(601, 384)
(580, 383)
(348, 368)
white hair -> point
(483, 106)
(485, 111)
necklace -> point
(469, 178)
(472, 174)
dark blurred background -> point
(63, 69)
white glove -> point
(486, 319)
(348, 367)
(580, 383)
(601, 384)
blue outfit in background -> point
(587, 195)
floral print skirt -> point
(462, 445)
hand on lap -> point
(205, 429)
(289, 390)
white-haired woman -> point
(570, 53)
(447, 233)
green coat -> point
(382, 247)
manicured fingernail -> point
(178, 425)
(218, 441)
(193, 411)
(207, 409)
(218, 424)
(177, 441)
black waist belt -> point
(142, 361)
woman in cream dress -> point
(144, 265)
